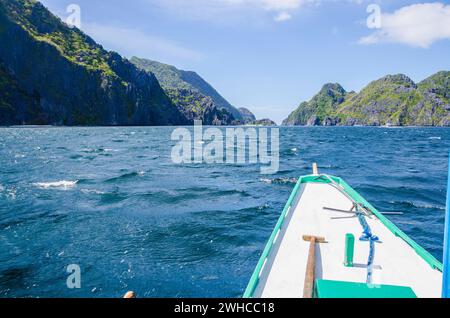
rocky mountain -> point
(392, 100)
(263, 122)
(172, 79)
(13, 94)
(247, 115)
(53, 74)
(196, 106)
(319, 108)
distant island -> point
(262, 122)
(394, 100)
(51, 74)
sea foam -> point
(60, 185)
(279, 180)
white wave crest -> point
(92, 191)
(59, 185)
(279, 180)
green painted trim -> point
(426, 256)
(254, 280)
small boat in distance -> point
(330, 242)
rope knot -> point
(369, 237)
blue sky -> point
(270, 55)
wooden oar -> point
(311, 265)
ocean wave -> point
(97, 150)
(289, 152)
(125, 177)
(59, 185)
(9, 193)
(279, 180)
(92, 191)
(430, 206)
(435, 138)
(417, 205)
(113, 197)
(220, 193)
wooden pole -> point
(308, 288)
(315, 169)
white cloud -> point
(215, 9)
(281, 4)
(283, 16)
(130, 42)
(418, 25)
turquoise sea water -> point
(112, 201)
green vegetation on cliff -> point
(321, 107)
(392, 100)
(71, 79)
(168, 76)
(172, 78)
(196, 106)
(73, 44)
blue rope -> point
(367, 236)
